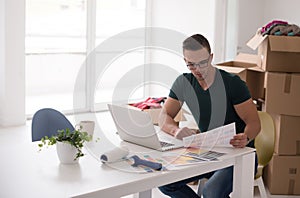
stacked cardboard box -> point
(279, 57)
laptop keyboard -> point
(165, 144)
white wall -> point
(287, 10)
(188, 17)
(250, 18)
(185, 17)
(12, 62)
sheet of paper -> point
(218, 137)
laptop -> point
(135, 126)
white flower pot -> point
(66, 153)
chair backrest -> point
(46, 122)
(265, 140)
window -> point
(59, 37)
(118, 20)
(55, 49)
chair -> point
(46, 122)
(264, 144)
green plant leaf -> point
(76, 138)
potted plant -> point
(69, 144)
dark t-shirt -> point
(213, 107)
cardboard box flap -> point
(257, 68)
(256, 40)
(285, 43)
(247, 58)
(242, 60)
(237, 64)
(234, 70)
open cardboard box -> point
(277, 53)
(244, 65)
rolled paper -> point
(114, 155)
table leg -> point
(243, 176)
(144, 194)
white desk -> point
(24, 172)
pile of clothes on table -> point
(150, 103)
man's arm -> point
(166, 119)
(248, 113)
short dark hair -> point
(196, 42)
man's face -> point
(198, 62)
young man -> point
(215, 98)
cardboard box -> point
(287, 141)
(282, 175)
(245, 67)
(154, 114)
(283, 93)
(277, 53)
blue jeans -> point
(218, 185)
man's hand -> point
(184, 132)
(239, 140)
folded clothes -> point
(149, 103)
(278, 28)
(275, 28)
(265, 29)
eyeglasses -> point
(201, 64)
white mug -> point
(86, 126)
